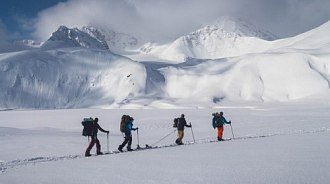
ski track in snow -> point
(4, 166)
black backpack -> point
(123, 122)
(176, 122)
(88, 126)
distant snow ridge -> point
(65, 37)
(118, 42)
(318, 38)
(8, 46)
(29, 43)
(225, 37)
(240, 28)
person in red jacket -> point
(94, 139)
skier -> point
(180, 127)
(218, 121)
(128, 127)
(94, 139)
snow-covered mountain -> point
(67, 78)
(88, 37)
(292, 68)
(120, 43)
(74, 69)
(94, 37)
(225, 37)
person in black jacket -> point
(180, 126)
(94, 139)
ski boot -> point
(120, 149)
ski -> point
(133, 150)
(147, 147)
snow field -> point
(277, 143)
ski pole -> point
(108, 142)
(137, 135)
(232, 131)
(163, 138)
(192, 132)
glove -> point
(229, 122)
(137, 128)
(108, 131)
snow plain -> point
(275, 143)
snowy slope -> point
(68, 78)
(225, 37)
(47, 147)
(313, 41)
(260, 77)
(292, 68)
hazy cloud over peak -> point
(158, 19)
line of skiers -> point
(91, 128)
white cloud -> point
(171, 18)
(77, 13)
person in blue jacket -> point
(128, 134)
(217, 122)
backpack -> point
(88, 126)
(176, 122)
(124, 120)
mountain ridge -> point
(73, 76)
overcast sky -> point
(171, 18)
